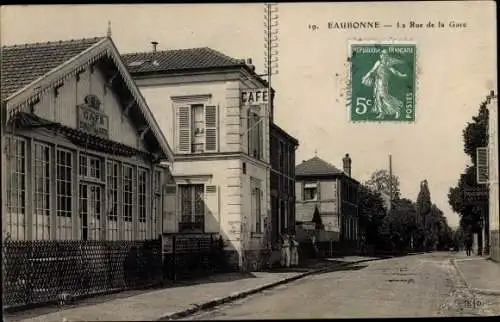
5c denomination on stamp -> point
(382, 81)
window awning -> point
(25, 120)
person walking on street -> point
(468, 243)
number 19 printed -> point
(382, 82)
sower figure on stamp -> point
(378, 77)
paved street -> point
(413, 286)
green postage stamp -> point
(382, 81)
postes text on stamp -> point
(382, 82)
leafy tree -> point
(399, 224)
(381, 181)
(424, 200)
(471, 211)
(424, 207)
(371, 212)
(475, 133)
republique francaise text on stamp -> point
(382, 81)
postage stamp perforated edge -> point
(347, 73)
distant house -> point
(321, 184)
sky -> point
(456, 69)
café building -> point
(80, 149)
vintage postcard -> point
(254, 160)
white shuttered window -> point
(197, 129)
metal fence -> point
(37, 272)
(190, 256)
(44, 271)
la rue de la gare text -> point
(378, 24)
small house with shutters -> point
(334, 193)
(216, 110)
(80, 148)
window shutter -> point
(482, 165)
(249, 132)
(170, 208)
(211, 128)
(212, 209)
(184, 126)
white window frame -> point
(156, 203)
(142, 202)
(113, 212)
(63, 231)
(190, 102)
(19, 210)
(256, 205)
(128, 202)
(42, 202)
(193, 215)
(310, 185)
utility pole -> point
(271, 67)
(271, 32)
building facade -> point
(494, 218)
(80, 149)
(216, 110)
(282, 153)
(335, 194)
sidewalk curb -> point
(460, 273)
(238, 295)
(464, 280)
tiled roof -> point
(22, 64)
(316, 167)
(179, 59)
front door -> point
(90, 211)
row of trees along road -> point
(472, 211)
(418, 225)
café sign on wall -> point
(91, 118)
(255, 96)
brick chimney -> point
(347, 164)
(250, 64)
(155, 45)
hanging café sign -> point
(91, 118)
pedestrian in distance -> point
(285, 250)
(468, 243)
(294, 251)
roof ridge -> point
(220, 54)
(55, 42)
(225, 56)
(159, 51)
